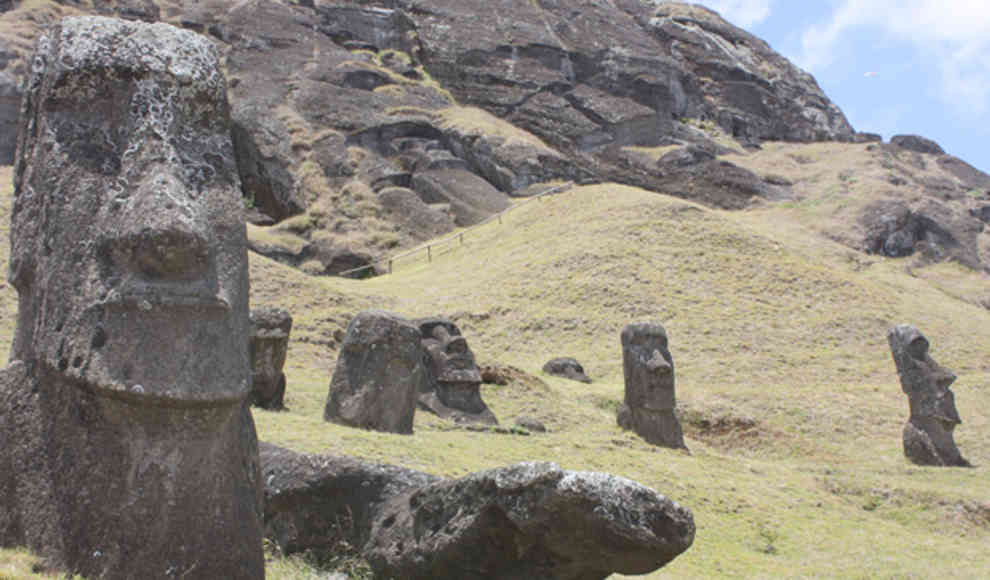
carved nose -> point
(658, 364)
(174, 252)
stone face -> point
(928, 433)
(648, 408)
(135, 454)
(270, 329)
(380, 370)
(566, 367)
(531, 520)
(454, 388)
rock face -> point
(648, 408)
(928, 432)
(531, 520)
(917, 143)
(566, 367)
(270, 329)
(10, 106)
(454, 387)
(936, 230)
(131, 448)
(380, 370)
(336, 106)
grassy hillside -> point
(791, 403)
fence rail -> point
(428, 248)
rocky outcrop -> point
(463, 105)
(531, 520)
(917, 143)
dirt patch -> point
(721, 428)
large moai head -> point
(455, 376)
(127, 239)
(648, 367)
(129, 256)
(928, 436)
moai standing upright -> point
(928, 432)
(270, 328)
(454, 389)
(129, 446)
(648, 408)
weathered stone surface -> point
(261, 145)
(928, 432)
(938, 230)
(270, 329)
(531, 520)
(316, 502)
(10, 106)
(714, 182)
(917, 143)
(649, 404)
(380, 370)
(454, 387)
(134, 453)
(566, 367)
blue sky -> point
(892, 66)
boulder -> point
(566, 367)
(649, 404)
(380, 369)
(917, 143)
(270, 329)
(938, 230)
(261, 144)
(928, 438)
(130, 443)
(530, 520)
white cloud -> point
(953, 36)
(742, 13)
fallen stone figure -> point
(530, 520)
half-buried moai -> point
(928, 431)
(379, 371)
(649, 403)
(130, 451)
(454, 389)
(270, 329)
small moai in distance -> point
(648, 408)
(270, 329)
(130, 451)
(454, 387)
(566, 367)
(380, 370)
(927, 434)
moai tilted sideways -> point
(649, 403)
(928, 432)
(129, 448)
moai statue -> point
(379, 370)
(454, 389)
(130, 447)
(270, 329)
(928, 431)
(649, 403)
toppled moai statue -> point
(380, 370)
(132, 452)
(270, 329)
(649, 403)
(530, 520)
(567, 368)
(454, 389)
(928, 431)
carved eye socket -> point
(918, 348)
(457, 346)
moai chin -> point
(454, 390)
(648, 408)
(927, 434)
(132, 449)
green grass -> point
(791, 404)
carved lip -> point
(153, 296)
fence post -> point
(429, 253)
(390, 266)
(461, 238)
(500, 218)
